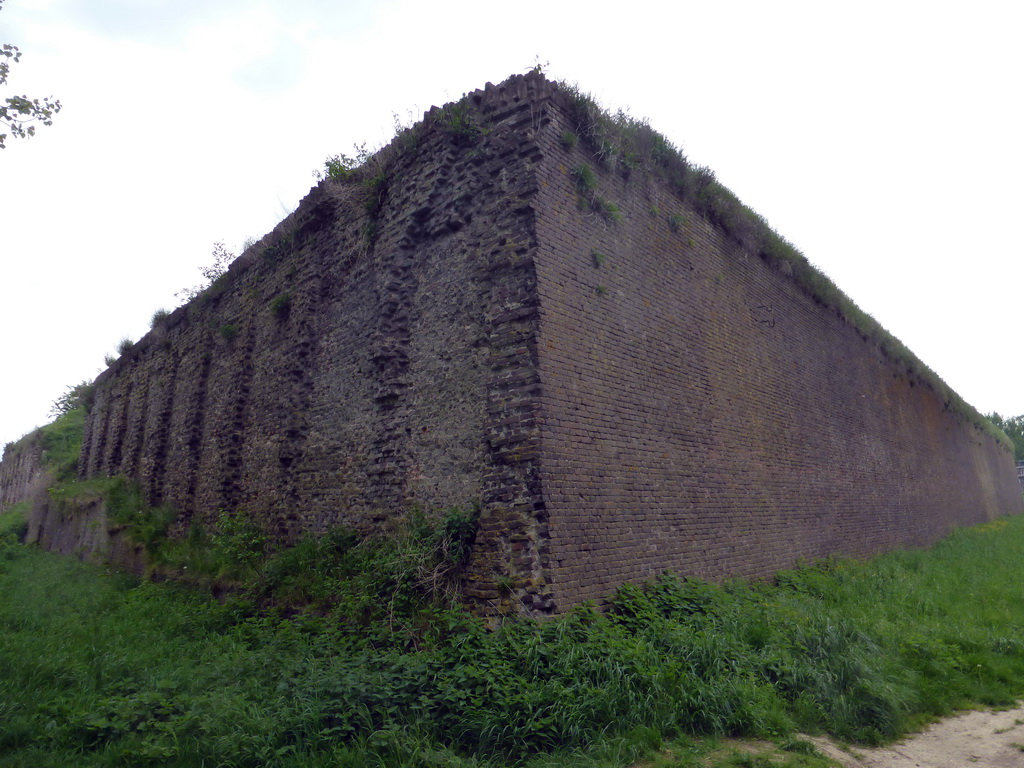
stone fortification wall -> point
(372, 353)
(702, 412)
(21, 469)
(621, 389)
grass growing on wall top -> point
(99, 669)
(60, 443)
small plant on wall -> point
(341, 167)
(459, 121)
(586, 181)
(586, 187)
(281, 306)
(212, 275)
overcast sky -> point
(884, 139)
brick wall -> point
(702, 413)
(619, 397)
(402, 373)
(21, 469)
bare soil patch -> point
(983, 739)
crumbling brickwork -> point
(21, 470)
(620, 394)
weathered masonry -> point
(501, 309)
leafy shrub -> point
(459, 121)
(159, 316)
(342, 167)
(393, 577)
(213, 275)
(14, 522)
(79, 396)
(241, 544)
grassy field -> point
(340, 653)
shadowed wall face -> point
(620, 394)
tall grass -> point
(97, 669)
(59, 442)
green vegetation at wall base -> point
(14, 523)
(319, 659)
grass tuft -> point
(281, 306)
(586, 187)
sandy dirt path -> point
(970, 740)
